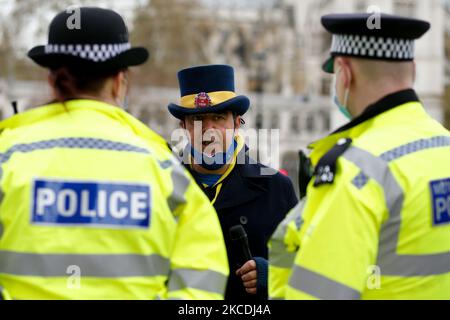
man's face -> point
(211, 132)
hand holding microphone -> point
(247, 272)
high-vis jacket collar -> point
(56, 108)
(359, 125)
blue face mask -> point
(215, 162)
(342, 107)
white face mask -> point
(342, 107)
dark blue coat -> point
(259, 203)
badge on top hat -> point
(208, 89)
(202, 100)
(392, 41)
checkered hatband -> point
(373, 47)
(93, 52)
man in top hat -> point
(376, 222)
(238, 187)
(94, 205)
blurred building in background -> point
(446, 98)
(277, 48)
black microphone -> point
(239, 238)
(14, 106)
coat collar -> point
(244, 184)
(385, 104)
(112, 112)
(360, 124)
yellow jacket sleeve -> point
(199, 265)
(4, 295)
(340, 238)
(283, 248)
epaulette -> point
(326, 168)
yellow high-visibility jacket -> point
(94, 206)
(376, 222)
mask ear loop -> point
(124, 104)
(336, 74)
(347, 93)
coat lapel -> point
(243, 185)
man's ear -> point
(51, 79)
(117, 84)
(237, 122)
(51, 82)
(347, 70)
(337, 64)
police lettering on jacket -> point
(90, 203)
(440, 192)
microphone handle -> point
(246, 251)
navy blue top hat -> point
(100, 42)
(208, 89)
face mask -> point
(342, 107)
(216, 162)
(125, 103)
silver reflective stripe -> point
(388, 260)
(416, 146)
(90, 265)
(165, 164)
(415, 265)
(180, 184)
(70, 143)
(279, 256)
(205, 280)
(321, 287)
(360, 181)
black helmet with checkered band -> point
(98, 40)
(377, 36)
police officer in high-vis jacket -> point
(375, 223)
(93, 204)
